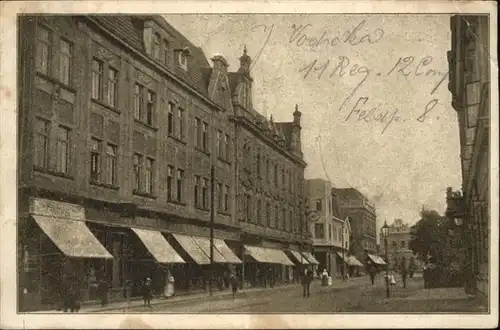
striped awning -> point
(310, 258)
(267, 255)
(158, 246)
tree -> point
(429, 237)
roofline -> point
(159, 68)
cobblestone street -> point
(357, 296)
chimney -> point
(296, 116)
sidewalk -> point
(204, 296)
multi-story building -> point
(121, 120)
(469, 84)
(331, 233)
(363, 221)
(398, 240)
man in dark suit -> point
(306, 282)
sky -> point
(372, 89)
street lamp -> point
(385, 233)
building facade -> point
(469, 84)
(363, 221)
(398, 241)
(331, 233)
(121, 120)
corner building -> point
(121, 119)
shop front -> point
(352, 264)
(60, 250)
(300, 263)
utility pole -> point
(212, 220)
(343, 252)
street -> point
(355, 296)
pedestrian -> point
(371, 271)
(404, 271)
(324, 277)
(103, 292)
(306, 282)
(147, 292)
(234, 284)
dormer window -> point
(156, 46)
(183, 55)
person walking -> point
(234, 284)
(306, 282)
(404, 271)
(147, 292)
(103, 292)
(372, 272)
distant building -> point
(398, 241)
(469, 83)
(352, 203)
(330, 232)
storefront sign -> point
(56, 209)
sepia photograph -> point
(216, 162)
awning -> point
(267, 255)
(204, 244)
(299, 257)
(228, 254)
(350, 260)
(159, 247)
(72, 237)
(310, 258)
(194, 251)
(376, 259)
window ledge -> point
(200, 208)
(140, 122)
(203, 151)
(171, 201)
(224, 213)
(103, 185)
(56, 81)
(224, 160)
(52, 172)
(107, 106)
(179, 140)
(144, 194)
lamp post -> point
(385, 233)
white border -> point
(8, 167)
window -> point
(62, 149)
(394, 244)
(283, 178)
(166, 53)
(204, 193)
(283, 218)
(220, 199)
(319, 205)
(258, 166)
(149, 175)
(258, 211)
(198, 132)
(276, 214)
(248, 207)
(111, 164)
(268, 169)
(137, 171)
(65, 62)
(156, 47)
(170, 180)
(43, 49)
(205, 137)
(180, 185)
(276, 174)
(171, 124)
(95, 160)
(112, 87)
(226, 198)
(180, 113)
(330, 232)
(226, 146)
(319, 231)
(268, 214)
(290, 221)
(138, 101)
(403, 244)
(97, 71)
(197, 183)
(218, 148)
(150, 107)
(41, 143)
